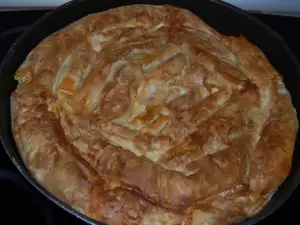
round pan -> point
(223, 17)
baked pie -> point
(144, 114)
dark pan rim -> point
(16, 159)
(16, 179)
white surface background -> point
(290, 6)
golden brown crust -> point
(146, 115)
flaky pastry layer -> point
(146, 115)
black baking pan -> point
(36, 211)
(223, 17)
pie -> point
(146, 115)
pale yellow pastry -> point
(146, 115)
